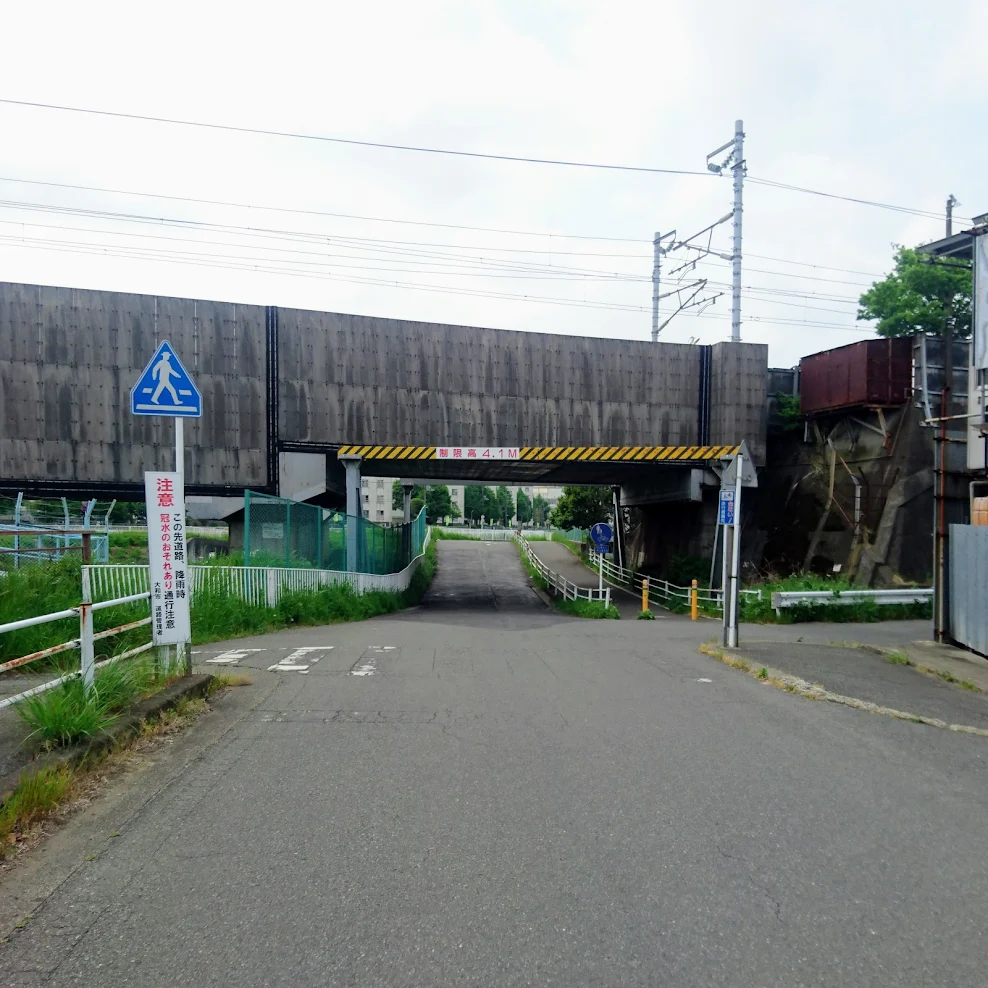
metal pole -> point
(713, 555)
(180, 448)
(656, 265)
(738, 170)
(86, 632)
(951, 202)
(17, 524)
(600, 572)
(732, 630)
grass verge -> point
(577, 608)
(56, 791)
(66, 715)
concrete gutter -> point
(124, 728)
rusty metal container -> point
(873, 373)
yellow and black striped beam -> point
(557, 454)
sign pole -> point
(732, 631)
(600, 573)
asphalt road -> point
(489, 793)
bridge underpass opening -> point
(473, 575)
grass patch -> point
(587, 608)
(966, 684)
(65, 715)
(645, 616)
(896, 658)
(34, 798)
(763, 673)
(44, 794)
(946, 676)
(861, 612)
(447, 536)
(228, 680)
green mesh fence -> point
(279, 532)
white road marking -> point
(290, 663)
(285, 667)
(232, 656)
(704, 680)
(367, 669)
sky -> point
(877, 100)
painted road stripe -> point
(232, 657)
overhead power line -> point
(454, 152)
(264, 132)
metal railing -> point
(262, 586)
(664, 592)
(85, 642)
(559, 583)
(795, 598)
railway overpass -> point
(286, 391)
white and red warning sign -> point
(165, 499)
(476, 453)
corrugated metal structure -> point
(969, 586)
(278, 381)
(872, 373)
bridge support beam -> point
(352, 466)
(406, 501)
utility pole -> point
(738, 170)
(656, 266)
(951, 202)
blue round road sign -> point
(601, 533)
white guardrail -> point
(793, 598)
(662, 592)
(559, 583)
(110, 585)
(85, 642)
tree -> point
(505, 506)
(922, 295)
(540, 509)
(581, 507)
(474, 502)
(438, 504)
(523, 507)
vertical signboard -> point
(165, 498)
(981, 302)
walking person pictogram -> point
(163, 372)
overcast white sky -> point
(874, 99)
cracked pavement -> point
(508, 796)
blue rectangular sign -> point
(726, 514)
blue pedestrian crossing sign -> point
(165, 388)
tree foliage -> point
(581, 507)
(523, 507)
(438, 501)
(540, 510)
(920, 297)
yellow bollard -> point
(694, 601)
(645, 594)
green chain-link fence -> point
(279, 532)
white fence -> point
(110, 585)
(85, 641)
(664, 593)
(259, 585)
(793, 598)
(559, 583)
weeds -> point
(896, 658)
(646, 616)
(34, 798)
(587, 608)
(966, 684)
(946, 676)
(66, 715)
(763, 673)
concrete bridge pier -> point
(351, 465)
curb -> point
(122, 729)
